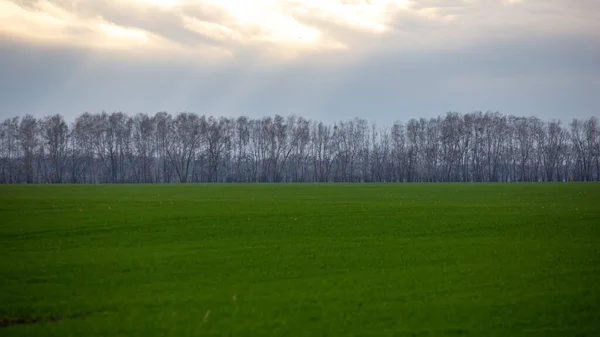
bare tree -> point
(218, 140)
(398, 152)
(242, 139)
(9, 136)
(322, 152)
(184, 139)
(144, 148)
(28, 141)
(552, 145)
(592, 144)
(55, 134)
(115, 148)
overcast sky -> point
(322, 59)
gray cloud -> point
(420, 67)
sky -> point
(326, 60)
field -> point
(300, 260)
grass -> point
(300, 260)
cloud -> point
(289, 28)
(544, 78)
(323, 59)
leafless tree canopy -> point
(474, 147)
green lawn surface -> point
(300, 260)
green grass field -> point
(300, 260)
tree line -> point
(186, 147)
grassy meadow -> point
(300, 260)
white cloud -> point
(159, 3)
(47, 22)
(371, 16)
(288, 28)
(211, 29)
